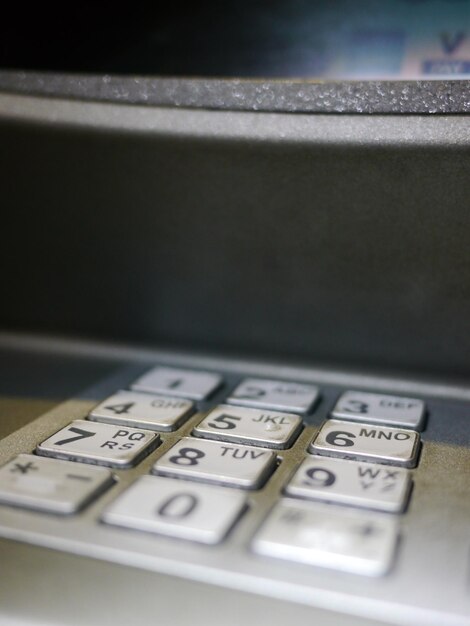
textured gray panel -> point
(302, 96)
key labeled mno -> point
(365, 442)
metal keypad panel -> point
(347, 540)
(380, 409)
(367, 442)
(257, 427)
(274, 394)
(339, 489)
(102, 444)
(141, 410)
(220, 463)
(199, 513)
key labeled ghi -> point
(103, 444)
(142, 410)
(367, 442)
(268, 429)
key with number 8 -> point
(217, 462)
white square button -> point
(176, 508)
(191, 384)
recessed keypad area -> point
(190, 455)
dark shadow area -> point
(352, 255)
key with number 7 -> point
(87, 442)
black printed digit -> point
(224, 422)
(178, 506)
(338, 438)
(187, 456)
(120, 409)
(320, 477)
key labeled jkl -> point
(269, 429)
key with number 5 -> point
(268, 429)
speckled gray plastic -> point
(303, 96)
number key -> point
(365, 442)
(202, 513)
(380, 409)
(217, 462)
(176, 382)
(142, 410)
(269, 429)
(350, 482)
(274, 394)
(102, 444)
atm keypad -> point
(340, 489)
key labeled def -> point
(380, 409)
(102, 444)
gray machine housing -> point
(335, 242)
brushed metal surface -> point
(428, 584)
